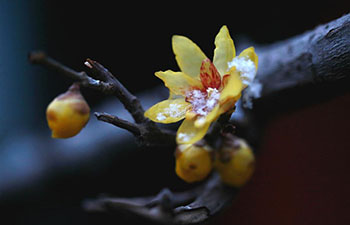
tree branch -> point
(133, 128)
(130, 101)
(302, 68)
(41, 58)
(189, 207)
(147, 132)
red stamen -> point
(209, 75)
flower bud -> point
(193, 162)
(68, 113)
(235, 161)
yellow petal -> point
(168, 111)
(189, 134)
(228, 105)
(232, 89)
(250, 54)
(224, 51)
(174, 96)
(178, 82)
(188, 55)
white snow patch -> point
(86, 63)
(252, 91)
(202, 103)
(200, 121)
(246, 67)
(185, 137)
(161, 116)
(172, 111)
(255, 89)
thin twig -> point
(106, 84)
(41, 58)
(133, 128)
(145, 130)
(130, 102)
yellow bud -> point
(235, 162)
(193, 162)
(68, 113)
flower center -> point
(203, 102)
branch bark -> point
(296, 71)
(133, 128)
(189, 207)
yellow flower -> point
(203, 90)
(193, 162)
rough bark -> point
(315, 62)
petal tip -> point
(224, 27)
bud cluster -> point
(233, 160)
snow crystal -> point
(185, 137)
(161, 116)
(88, 64)
(213, 97)
(172, 111)
(253, 91)
(200, 121)
(246, 67)
(203, 102)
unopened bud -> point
(193, 162)
(235, 161)
(68, 113)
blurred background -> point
(302, 173)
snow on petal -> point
(188, 133)
(168, 111)
(245, 67)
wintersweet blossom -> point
(203, 90)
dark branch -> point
(133, 128)
(42, 59)
(106, 83)
(146, 131)
(189, 207)
(302, 68)
(130, 102)
(146, 134)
